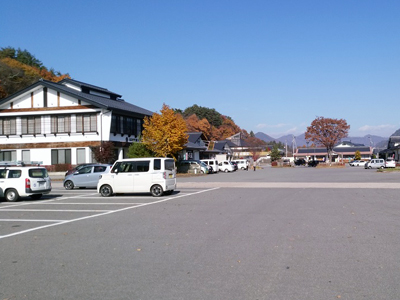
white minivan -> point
(243, 164)
(213, 163)
(156, 175)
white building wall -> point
(37, 99)
(22, 102)
(52, 98)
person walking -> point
(247, 165)
(254, 165)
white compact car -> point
(16, 182)
(225, 166)
(390, 163)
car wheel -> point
(226, 170)
(382, 167)
(156, 190)
(370, 167)
(69, 185)
(12, 195)
(106, 190)
(36, 196)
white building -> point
(58, 123)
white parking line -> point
(103, 214)
(29, 220)
(57, 210)
(94, 203)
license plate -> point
(171, 176)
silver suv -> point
(16, 182)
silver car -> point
(376, 163)
(86, 177)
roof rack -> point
(20, 163)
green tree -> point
(165, 133)
(139, 150)
(357, 155)
(213, 117)
(275, 153)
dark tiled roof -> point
(194, 136)
(220, 145)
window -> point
(8, 126)
(169, 164)
(142, 166)
(99, 169)
(14, 174)
(157, 164)
(31, 125)
(86, 123)
(132, 166)
(38, 173)
(126, 125)
(60, 156)
(60, 124)
(26, 155)
(85, 170)
(8, 155)
(80, 155)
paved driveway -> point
(290, 233)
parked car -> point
(357, 163)
(139, 175)
(16, 182)
(313, 163)
(300, 162)
(86, 177)
(77, 168)
(234, 164)
(376, 163)
(211, 163)
(192, 166)
(226, 166)
(390, 163)
(242, 164)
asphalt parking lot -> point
(287, 233)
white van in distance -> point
(155, 175)
(213, 163)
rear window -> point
(169, 164)
(38, 173)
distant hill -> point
(374, 140)
(396, 133)
(264, 137)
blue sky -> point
(273, 66)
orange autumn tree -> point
(327, 132)
(227, 129)
(194, 124)
(165, 133)
(19, 69)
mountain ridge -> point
(369, 139)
